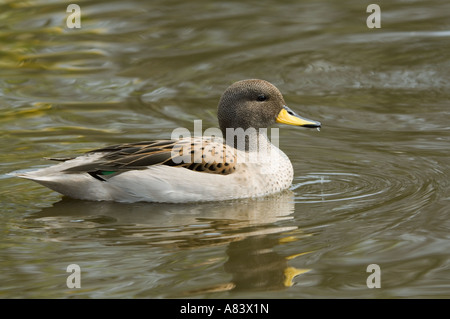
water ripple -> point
(367, 189)
(332, 187)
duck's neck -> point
(249, 140)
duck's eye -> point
(261, 97)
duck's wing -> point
(197, 154)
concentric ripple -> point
(334, 186)
(405, 188)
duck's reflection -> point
(251, 229)
(255, 265)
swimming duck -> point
(241, 163)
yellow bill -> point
(287, 116)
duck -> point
(238, 161)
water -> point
(372, 187)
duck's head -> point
(257, 104)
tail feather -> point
(59, 159)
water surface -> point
(372, 187)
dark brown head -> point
(257, 104)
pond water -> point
(372, 187)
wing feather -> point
(200, 155)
